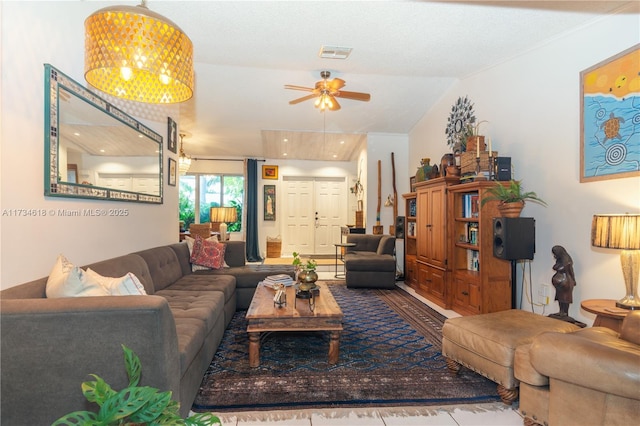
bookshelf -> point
(481, 283)
(410, 272)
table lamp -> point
(621, 231)
(219, 216)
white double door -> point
(315, 208)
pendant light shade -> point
(134, 53)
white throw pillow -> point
(126, 285)
(67, 280)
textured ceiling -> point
(405, 54)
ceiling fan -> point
(326, 92)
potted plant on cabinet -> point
(511, 197)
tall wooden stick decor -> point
(392, 227)
(377, 228)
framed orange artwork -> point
(269, 172)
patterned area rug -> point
(389, 356)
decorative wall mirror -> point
(95, 150)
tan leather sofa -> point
(588, 377)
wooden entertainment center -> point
(449, 247)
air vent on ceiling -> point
(335, 52)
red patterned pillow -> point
(208, 253)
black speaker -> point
(400, 227)
(503, 168)
(514, 238)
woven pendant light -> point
(134, 53)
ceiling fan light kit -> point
(134, 53)
(326, 91)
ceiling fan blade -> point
(336, 84)
(335, 105)
(358, 96)
(302, 99)
(306, 89)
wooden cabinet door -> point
(422, 225)
(410, 275)
(437, 283)
(432, 213)
(437, 226)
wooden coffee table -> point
(264, 316)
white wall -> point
(34, 34)
(295, 168)
(379, 147)
(532, 103)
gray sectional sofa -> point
(50, 346)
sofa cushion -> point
(196, 314)
(387, 245)
(630, 330)
(164, 267)
(199, 282)
(363, 261)
(524, 371)
(208, 253)
(121, 265)
(248, 276)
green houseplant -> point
(133, 405)
(511, 197)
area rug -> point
(390, 355)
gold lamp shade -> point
(223, 214)
(134, 53)
(219, 216)
(621, 231)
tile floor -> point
(495, 414)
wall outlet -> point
(544, 294)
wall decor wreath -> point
(460, 123)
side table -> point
(607, 314)
(340, 256)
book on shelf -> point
(470, 205)
(475, 205)
(412, 208)
(473, 260)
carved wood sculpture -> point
(377, 228)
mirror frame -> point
(53, 185)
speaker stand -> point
(513, 283)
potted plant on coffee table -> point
(511, 197)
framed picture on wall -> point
(269, 172)
(172, 135)
(173, 172)
(609, 99)
(269, 202)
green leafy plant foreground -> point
(134, 405)
(511, 193)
